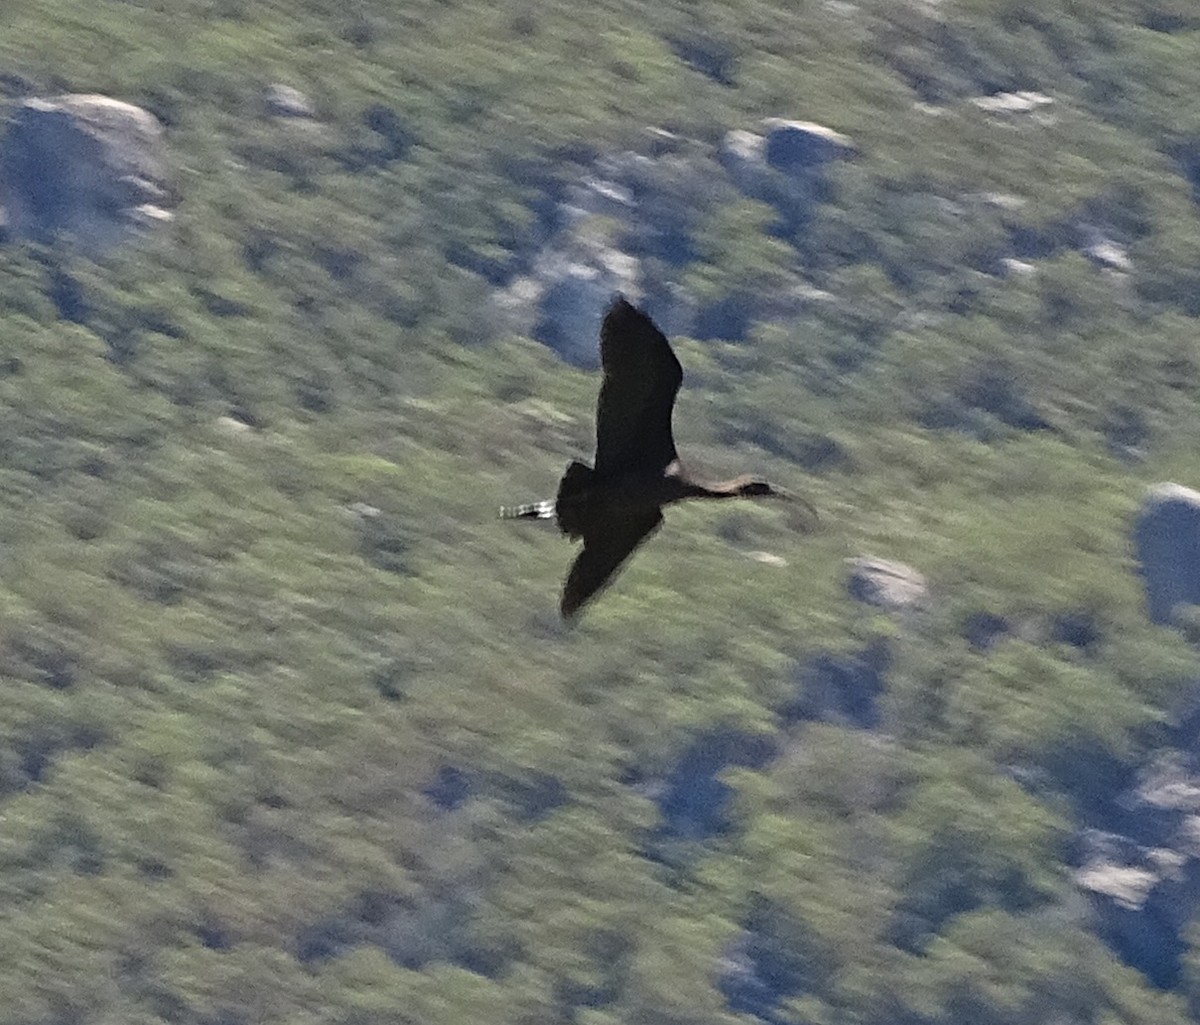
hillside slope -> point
(291, 731)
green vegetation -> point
(291, 733)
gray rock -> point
(617, 228)
(801, 147)
(1023, 102)
(767, 558)
(1095, 846)
(894, 586)
(286, 101)
(575, 295)
(1167, 539)
(1106, 253)
(1127, 886)
(1169, 783)
(148, 216)
(142, 191)
(514, 307)
(232, 426)
(561, 301)
(1020, 268)
(1005, 201)
(1143, 898)
(88, 166)
(743, 154)
(798, 149)
(783, 166)
(1145, 886)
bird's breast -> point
(614, 500)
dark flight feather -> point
(641, 379)
(605, 549)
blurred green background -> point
(289, 730)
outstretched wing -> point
(604, 550)
(641, 379)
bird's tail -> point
(572, 491)
(531, 511)
(575, 482)
(576, 479)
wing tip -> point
(570, 605)
(619, 307)
(624, 319)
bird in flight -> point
(617, 504)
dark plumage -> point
(617, 505)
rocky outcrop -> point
(743, 154)
(1144, 882)
(892, 586)
(85, 166)
(1117, 869)
(1144, 885)
(795, 150)
(1140, 898)
(1167, 539)
(563, 300)
(574, 287)
(628, 223)
(800, 147)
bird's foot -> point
(532, 511)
